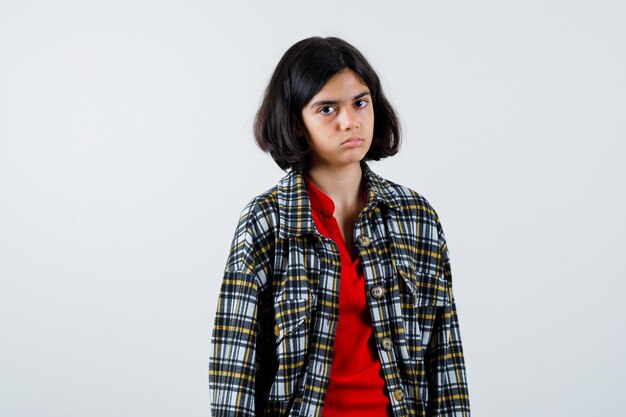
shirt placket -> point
(384, 304)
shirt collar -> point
(295, 217)
(318, 199)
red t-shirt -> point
(356, 386)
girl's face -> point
(341, 110)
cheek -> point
(371, 121)
(320, 130)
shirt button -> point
(398, 394)
(277, 330)
(364, 240)
(387, 344)
(377, 291)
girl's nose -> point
(348, 119)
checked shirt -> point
(278, 306)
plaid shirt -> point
(278, 306)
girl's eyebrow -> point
(325, 102)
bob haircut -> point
(300, 74)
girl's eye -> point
(323, 110)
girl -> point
(336, 299)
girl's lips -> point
(352, 143)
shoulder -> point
(416, 230)
(409, 202)
(254, 235)
(260, 210)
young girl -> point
(336, 299)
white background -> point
(126, 156)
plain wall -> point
(126, 156)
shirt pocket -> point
(292, 338)
(422, 296)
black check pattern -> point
(278, 306)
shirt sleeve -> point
(233, 363)
(444, 361)
(232, 366)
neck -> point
(343, 184)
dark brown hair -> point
(300, 74)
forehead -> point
(343, 85)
